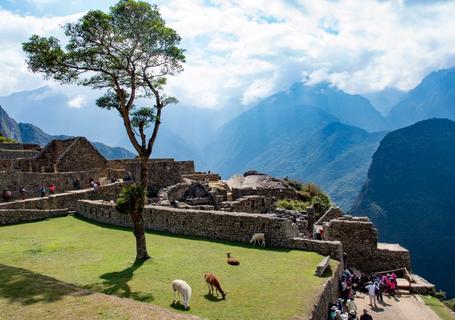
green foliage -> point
(441, 295)
(295, 184)
(295, 205)
(103, 258)
(7, 140)
(438, 307)
(451, 304)
(128, 52)
(311, 195)
(132, 197)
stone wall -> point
(207, 177)
(217, 225)
(254, 204)
(278, 194)
(13, 216)
(32, 181)
(67, 200)
(17, 154)
(391, 256)
(76, 154)
(81, 156)
(359, 238)
(323, 247)
(11, 146)
(186, 167)
(161, 172)
(330, 214)
(328, 295)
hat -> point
(333, 308)
(352, 312)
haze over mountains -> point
(313, 133)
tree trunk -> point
(139, 233)
(137, 215)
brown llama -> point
(231, 260)
(213, 282)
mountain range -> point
(313, 133)
(409, 195)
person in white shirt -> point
(372, 293)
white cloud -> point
(77, 102)
(14, 30)
(246, 50)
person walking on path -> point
(372, 294)
(52, 189)
(42, 191)
(365, 315)
(378, 292)
(351, 306)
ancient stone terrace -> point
(61, 162)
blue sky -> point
(246, 50)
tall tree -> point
(128, 52)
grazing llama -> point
(212, 281)
(258, 238)
(184, 290)
(231, 260)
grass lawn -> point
(268, 284)
(439, 308)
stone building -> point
(76, 154)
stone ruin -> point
(181, 199)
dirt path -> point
(404, 307)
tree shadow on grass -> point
(23, 286)
(116, 283)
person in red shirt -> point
(52, 189)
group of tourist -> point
(7, 194)
(375, 286)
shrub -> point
(312, 189)
(321, 202)
(297, 185)
(451, 304)
(6, 140)
(295, 205)
(132, 197)
(441, 295)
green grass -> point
(439, 308)
(268, 284)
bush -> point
(312, 189)
(321, 202)
(441, 295)
(451, 304)
(295, 205)
(132, 197)
(7, 140)
(297, 185)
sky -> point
(243, 51)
